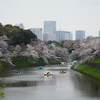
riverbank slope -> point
(90, 68)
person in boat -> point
(18, 71)
(62, 71)
(47, 72)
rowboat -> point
(47, 73)
(40, 67)
(62, 72)
(12, 66)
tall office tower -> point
(63, 35)
(38, 32)
(80, 34)
(99, 33)
(49, 26)
(49, 36)
(71, 36)
(57, 35)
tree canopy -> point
(17, 35)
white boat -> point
(47, 73)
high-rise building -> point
(20, 25)
(63, 35)
(49, 26)
(49, 36)
(99, 33)
(57, 35)
(38, 32)
(80, 34)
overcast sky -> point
(71, 14)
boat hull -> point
(47, 74)
(62, 72)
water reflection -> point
(85, 84)
(69, 86)
(22, 84)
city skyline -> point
(49, 27)
(70, 15)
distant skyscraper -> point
(20, 25)
(57, 35)
(63, 35)
(38, 32)
(80, 34)
(99, 33)
(49, 36)
(49, 26)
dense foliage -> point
(17, 35)
(55, 42)
(24, 61)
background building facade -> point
(20, 25)
(80, 34)
(49, 26)
(37, 32)
(99, 33)
(49, 37)
(63, 35)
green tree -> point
(18, 36)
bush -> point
(2, 93)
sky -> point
(70, 15)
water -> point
(31, 84)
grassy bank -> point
(53, 61)
(90, 68)
(25, 62)
(2, 68)
(97, 60)
(2, 64)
